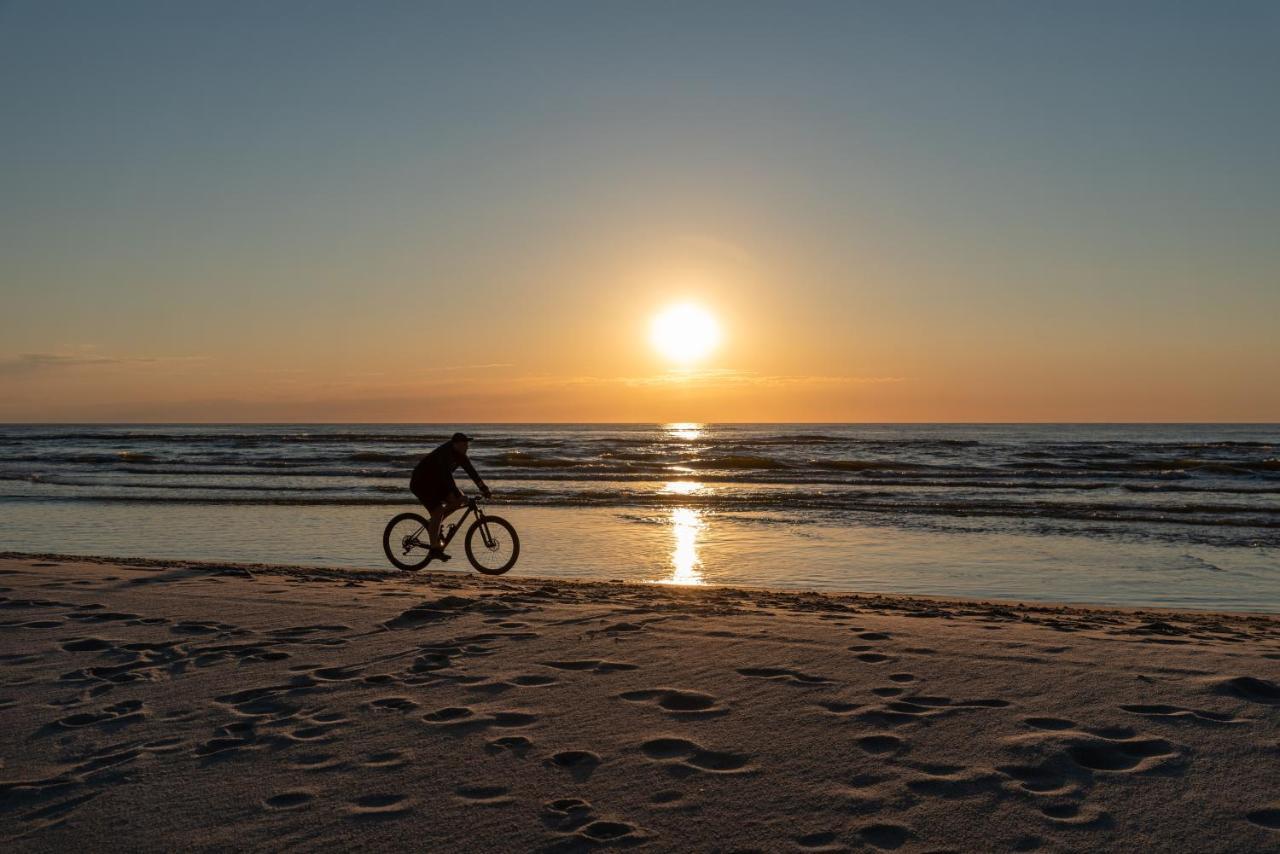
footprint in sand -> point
(483, 795)
(337, 674)
(839, 707)
(667, 798)
(567, 814)
(1061, 810)
(388, 759)
(825, 840)
(466, 719)
(517, 744)
(55, 814)
(873, 657)
(313, 734)
(448, 714)
(1136, 754)
(593, 665)
(1047, 778)
(533, 680)
(119, 714)
(781, 673)
(1251, 689)
(1113, 733)
(393, 704)
(902, 678)
(171, 744)
(512, 719)
(265, 701)
(289, 800)
(490, 688)
(379, 806)
(581, 764)
(329, 718)
(886, 837)
(1071, 813)
(606, 832)
(104, 617)
(1177, 712)
(678, 701)
(956, 782)
(875, 636)
(222, 745)
(317, 762)
(1268, 818)
(683, 755)
(919, 707)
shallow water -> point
(692, 546)
(1183, 515)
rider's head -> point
(460, 441)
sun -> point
(685, 333)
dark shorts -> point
(431, 492)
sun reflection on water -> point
(686, 430)
(686, 567)
(682, 487)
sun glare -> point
(685, 333)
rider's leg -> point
(453, 502)
(437, 513)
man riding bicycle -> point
(432, 482)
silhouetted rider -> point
(433, 484)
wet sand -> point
(150, 705)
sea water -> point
(1176, 515)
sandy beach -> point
(162, 706)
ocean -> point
(1173, 515)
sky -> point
(466, 212)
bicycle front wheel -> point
(492, 545)
(406, 542)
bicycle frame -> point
(448, 534)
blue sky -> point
(1020, 194)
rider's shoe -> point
(440, 555)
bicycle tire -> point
(395, 552)
(476, 548)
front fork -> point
(484, 530)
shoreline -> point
(849, 596)
(306, 708)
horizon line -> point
(628, 423)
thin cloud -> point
(30, 363)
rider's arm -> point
(475, 477)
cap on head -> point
(460, 437)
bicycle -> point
(492, 544)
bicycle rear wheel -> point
(406, 542)
(492, 545)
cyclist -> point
(432, 483)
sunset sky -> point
(896, 211)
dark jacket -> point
(437, 467)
